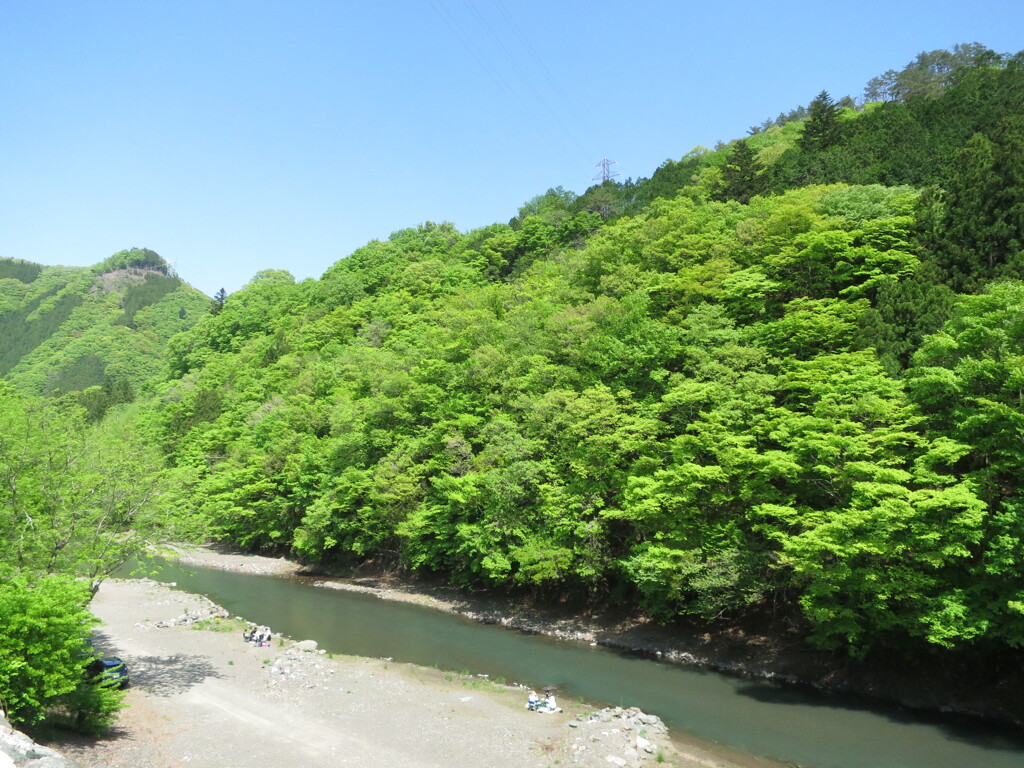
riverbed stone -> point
(17, 749)
(305, 645)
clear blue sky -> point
(232, 137)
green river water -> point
(735, 716)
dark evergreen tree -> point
(978, 234)
(741, 177)
(905, 312)
(219, 300)
(822, 129)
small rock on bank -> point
(621, 736)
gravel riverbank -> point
(203, 697)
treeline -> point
(908, 129)
(710, 408)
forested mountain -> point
(98, 331)
(783, 373)
(782, 377)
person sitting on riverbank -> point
(532, 701)
(550, 705)
(260, 636)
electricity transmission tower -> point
(606, 174)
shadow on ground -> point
(159, 675)
(70, 743)
(169, 675)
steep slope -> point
(66, 329)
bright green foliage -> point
(43, 653)
(688, 409)
(75, 499)
(968, 382)
(81, 491)
(754, 384)
(876, 545)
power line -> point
(529, 82)
(553, 82)
(546, 129)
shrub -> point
(44, 652)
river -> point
(735, 716)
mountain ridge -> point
(65, 329)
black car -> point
(112, 671)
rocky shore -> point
(18, 749)
(942, 683)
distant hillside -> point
(66, 329)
